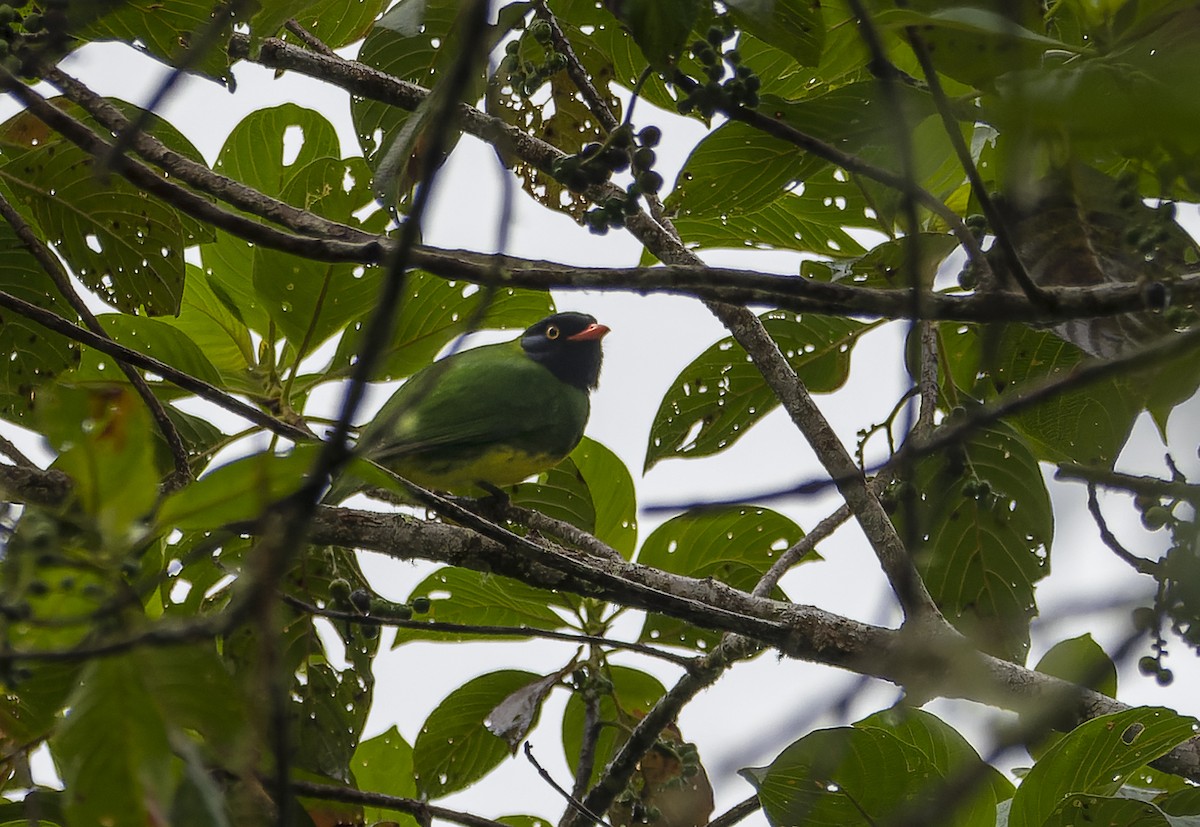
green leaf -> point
(886, 265)
(159, 339)
(311, 300)
(733, 544)
(842, 777)
(329, 717)
(237, 491)
(29, 708)
(415, 41)
(793, 26)
(721, 394)
(207, 321)
(737, 168)
(384, 764)
(454, 748)
(659, 27)
(1088, 425)
(613, 495)
(339, 23)
(561, 493)
(1080, 810)
(951, 755)
(1080, 660)
(119, 242)
(165, 30)
(1096, 758)
(41, 356)
(462, 596)
(633, 694)
(115, 766)
(432, 314)
(103, 436)
(812, 218)
(982, 527)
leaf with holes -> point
(886, 266)
(734, 544)
(980, 527)
(311, 300)
(36, 356)
(433, 312)
(455, 748)
(167, 31)
(120, 243)
(1096, 758)
(720, 395)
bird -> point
(489, 417)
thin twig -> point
(383, 620)
(8, 449)
(574, 803)
(1149, 486)
(737, 812)
(592, 98)
(412, 806)
(1138, 564)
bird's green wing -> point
(475, 401)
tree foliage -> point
(190, 633)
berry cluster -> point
(23, 37)
(596, 163)
(737, 86)
(361, 601)
(1178, 576)
(525, 76)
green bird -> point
(490, 416)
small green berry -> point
(420, 605)
(1164, 677)
(650, 136)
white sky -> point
(774, 700)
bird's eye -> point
(552, 332)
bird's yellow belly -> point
(498, 466)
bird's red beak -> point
(591, 333)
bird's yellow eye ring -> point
(552, 332)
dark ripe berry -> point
(34, 22)
(540, 31)
(7, 14)
(589, 150)
(644, 158)
(512, 47)
(753, 83)
(734, 57)
(685, 106)
(1155, 517)
(744, 71)
(750, 101)
(968, 278)
(420, 605)
(1164, 677)
(622, 137)
(629, 206)
(339, 590)
(360, 599)
(1167, 210)
(1144, 618)
(370, 632)
(650, 136)
(1143, 502)
(598, 228)
(617, 160)
(1148, 665)
(698, 46)
(715, 36)
(595, 174)
(650, 181)
(715, 71)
